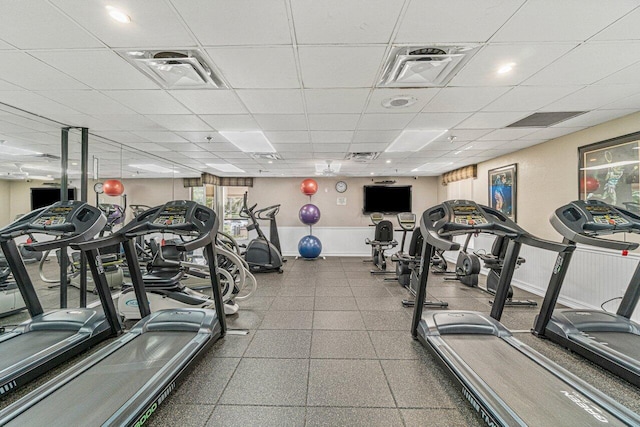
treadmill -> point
(48, 339)
(610, 340)
(483, 356)
(125, 382)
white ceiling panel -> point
(592, 97)
(333, 121)
(368, 146)
(272, 101)
(584, 66)
(506, 134)
(8, 86)
(345, 22)
(551, 133)
(34, 103)
(331, 137)
(530, 98)
(463, 99)
(462, 135)
(437, 120)
(299, 148)
(593, 118)
(27, 72)
(336, 149)
(626, 28)
(282, 121)
(148, 147)
(629, 75)
(159, 136)
(483, 145)
(490, 120)
(238, 65)
(153, 23)
(527, 59)
(630, 102)
(385, 121)
(34, 24)
(230, 121)
(209, 101)
(148, 101)
(88, 101)
(129, 122)
(550, 20)
(335, 100)
(420, 98)
(365, 136)
(288, 137)
(247, 22)
(339, 66)
(182, 122)
(99, 69)
(201, 137)
(454, 21)
(123, 137)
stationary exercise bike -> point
(383, 240)
(261, 255)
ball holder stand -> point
(309, 246)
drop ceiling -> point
(305, 73)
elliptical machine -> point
(261, 255)
(383, 240)
(269, 214)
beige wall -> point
(547, 174)
(5, 197)
(286, 192)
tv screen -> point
(387, 199)
(41, 197)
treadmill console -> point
(54, 215)
(468, 214)
(171, 214)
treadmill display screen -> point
(54, 216)
(604, 215)
(468, 215)
(172, 215)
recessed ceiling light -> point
(388, 161)
(151, 168)
(118, 15)
(401, 101)
(414, 140)
(371, 173)
(270, 161)
(224, 167)
(249, 141)
(74, 163)
(506, 68)
(457, 152)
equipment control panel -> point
(468, 215)
(605, 214)
(172, 215)
(54, 215)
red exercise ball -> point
(113, 187)
(309, 186)
(589, 184)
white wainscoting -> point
(594, 276)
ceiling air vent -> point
(266, 156)
(171, 69)
(362, 157)
(424, 66)
(543, 120)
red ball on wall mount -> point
(309, 186)
(113, 187)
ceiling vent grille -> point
(362, 157)
(543, 120)
(266, 156)
(175, 69)
(423, 66)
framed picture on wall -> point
(502, 189)
(609, 171)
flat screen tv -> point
(389, 199)
(44, 196)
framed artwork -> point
(609, 171)
(502, 189)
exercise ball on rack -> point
(309, 247)
(309, 214)
(309, 186)
(113, 187)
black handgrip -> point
(65, 228)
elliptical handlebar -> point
(268, 212)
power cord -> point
(607, 301)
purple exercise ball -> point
(309, 214)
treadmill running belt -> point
(537, 396)
(25, 345)
(623, 342)
(94, 396)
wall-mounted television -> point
(389, 199)
(45, 196)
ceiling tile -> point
(120, 136)
(582, 66)
(207, 101)
(272, 101)
(366, 136)
(34, 24)
(550, 133)
(345, 22)
(437, 120)
(129, 122)
(153, 23)
(249, 22)
(593, 118)
(528, 59)
(330, 148)
(529, 98)
(336, 100)
(422, 96)
(201, 137)
(626, 28)
(339, 66)
(230, 121)
(367, 147)
(282, 121)
(25, 71)
(385, 121)
(490, 120)
(288, 137)
(463, 135)
(34, 103)
(239, 65)
(550, 20)
(149, 146)
(8, 86)
(182, 122)
(484, 145)
(333, 121)
(629, 75)
(99, 69)
(88, 101)
(459, 21)
(506, 134)
(299, 148)
(331, 136)
(463, 99)
(592, 97)
(159, 136)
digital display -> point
(468, 215)
(171, 215)
(598, 209)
